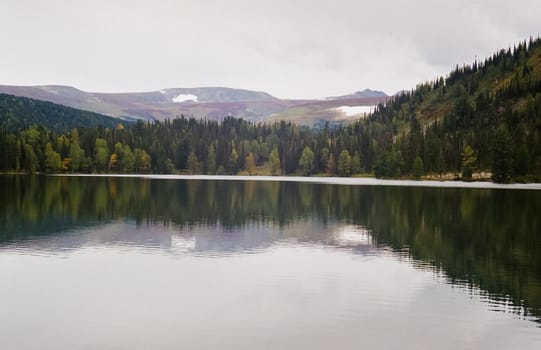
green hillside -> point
(489, 111)
(17, 113)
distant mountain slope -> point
(212, 102)
(20, 112)
(203, 102)
(366, 93)
(219, 94)
(318, 112)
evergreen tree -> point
(468, 162)
(126, 161)
(211, 160)
(331, 165)
(137, 156)
(274, 160)
(306, 161)
(440, 163)
(146, 161)
(502, 163)
(250, 164)
(417, 168)
(52, 159)
(522, 160)
(233, 163)
(101, 155)
(324, 158)
(356, 163)
(192, 163)
(76, 153)
(344, 164)
(30, 160)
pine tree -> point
(344, 164)
(101, 154)
(250, 164)
(356, 163)
(502, 162)
(324, 158)
(31, 162)
(274, 159)
(417, 168)
(211, 160)
(192, 163)
(233, 163)
(52, 159)
(76, 153)
(440, 163)
(468, 162)
(331, 165)
(522, 160)
(306, 161)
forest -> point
(18, 112)
(484, 117)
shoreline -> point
(351, 181)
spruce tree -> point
(417, 168)
(502, 163)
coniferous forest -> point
(483, 117)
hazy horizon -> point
(182, 87)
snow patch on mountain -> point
(185, 98)
(356, 110)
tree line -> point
(234, 146)
(186, 145)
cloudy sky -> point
(289, 48)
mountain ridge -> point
(199, 102)
(366, 93)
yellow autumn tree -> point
(113, 161)
(250, 164)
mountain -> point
(20, 112)
(204, 102)
(366, 93)
(216, 94)
(211, 102)
(319, 112)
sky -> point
(291, 49)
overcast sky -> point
(289, 48)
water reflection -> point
(487, 241)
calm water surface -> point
(127, 263)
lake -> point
(138, 263)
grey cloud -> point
(289, 48)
